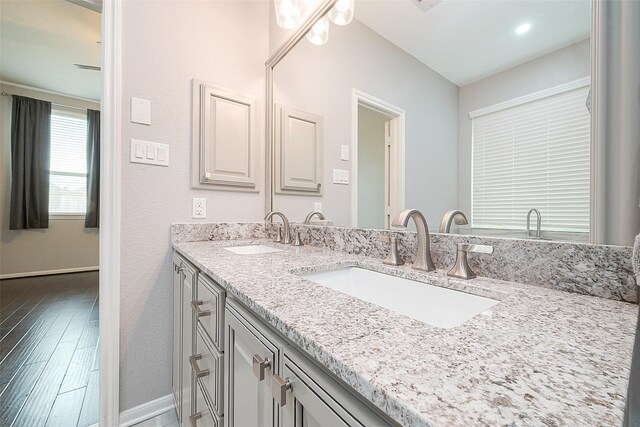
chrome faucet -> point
(307, 220)
(287, 232)
(538, 222)
(449, 217)
(423, 255)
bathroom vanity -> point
(258, 340)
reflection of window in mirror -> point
(533, 153)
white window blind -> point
(533, 155)
(68, 164)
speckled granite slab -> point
(199, 231)
(539, 357)
(598, 270)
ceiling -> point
(40, 40)
(468, 40)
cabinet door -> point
(189, 277)
(313, 399)
(248, 400)
(177, 335)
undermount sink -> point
(434, 305)
(252, 249)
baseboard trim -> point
(48, 272)
(145, 411)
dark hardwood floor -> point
(48, 350)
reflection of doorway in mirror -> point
(378, 166)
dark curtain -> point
(92, 218)
(30, 152)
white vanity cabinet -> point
(184, 280)
(251, 360)
(231, 368)
(198, 316)
(269, 383)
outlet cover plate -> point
(199, 208)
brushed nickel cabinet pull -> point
(193, 419)
(259, 365)
(195, 306)
(279, 389)
(193, 361)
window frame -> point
(77, 113)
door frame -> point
(110, 211)
(396, 116)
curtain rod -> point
(53, 103)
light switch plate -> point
(199, 208)
(344, 152)
(150, 153)
(341, 176)
(140, 111)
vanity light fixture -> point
(287, 13)
(319, 33)
(342, 12)
(523, 28)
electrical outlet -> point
(317, 207)
(199, 208)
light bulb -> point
(287, 13)
(342, 12)
(319, 33)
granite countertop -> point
(540, 356)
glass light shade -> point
(319, 33)
(287, 13)
(342, 12)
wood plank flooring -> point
(48, 350)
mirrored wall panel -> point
(474, 112)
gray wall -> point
(166, 44)
(371, 168)
(562, 66)
(320, 79)
(66, 244)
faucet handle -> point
(297, 241)
(480, 249)
(461, 268)
(278, 238)
(393, 258)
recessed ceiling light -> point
(523, 28)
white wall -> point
(166, 44)
(66, 244)
(320, 79)
(562, 66)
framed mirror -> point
(477, 113)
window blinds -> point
(533, 155)
(68, 164)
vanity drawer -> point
(209, 308)
(203, 416)
(207, 364)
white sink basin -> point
(437, 306)
(252, 249)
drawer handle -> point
(193, 419)
(195, 306)
(279, 389)
(259, 365)
(193, 361)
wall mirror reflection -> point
(480, 107)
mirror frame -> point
(596, 217)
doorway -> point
(378, 164)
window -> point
(68, 166)
(533, 154)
